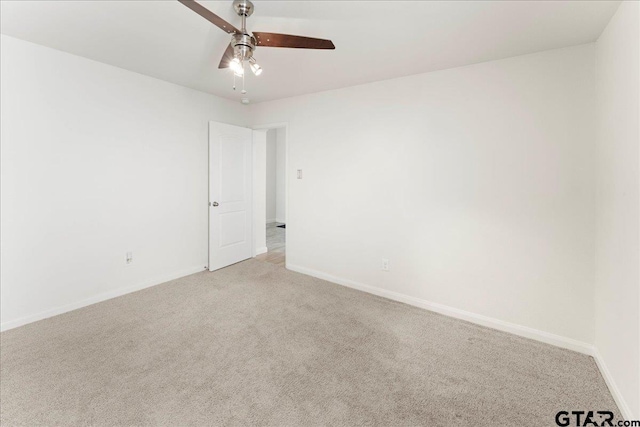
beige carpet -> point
(254, 344)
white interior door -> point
(230, 195)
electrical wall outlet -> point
(385, 264)
(129, 257)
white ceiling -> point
(375, 40)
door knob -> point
(215, 204)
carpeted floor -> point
(255, 344)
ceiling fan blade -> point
(296, 42)
(210, 16)
(226, 57)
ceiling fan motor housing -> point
(243, 46)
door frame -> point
(267, 126)
(279, 125)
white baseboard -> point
(98, 298)
(523, 331)
(613, 388)
(262, 250)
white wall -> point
(97, 161)
(617, 326)
(272, 167)
(477, 183)
(281, 161)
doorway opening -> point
(275, 203)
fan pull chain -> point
(243, 73)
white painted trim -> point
(523, 331)
(260, 251)
(98, 298)
(613, 388)
(271, 126)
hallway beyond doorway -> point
(276, 246)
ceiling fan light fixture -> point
(237, 67)
(257, 69)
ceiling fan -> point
(243, 43)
